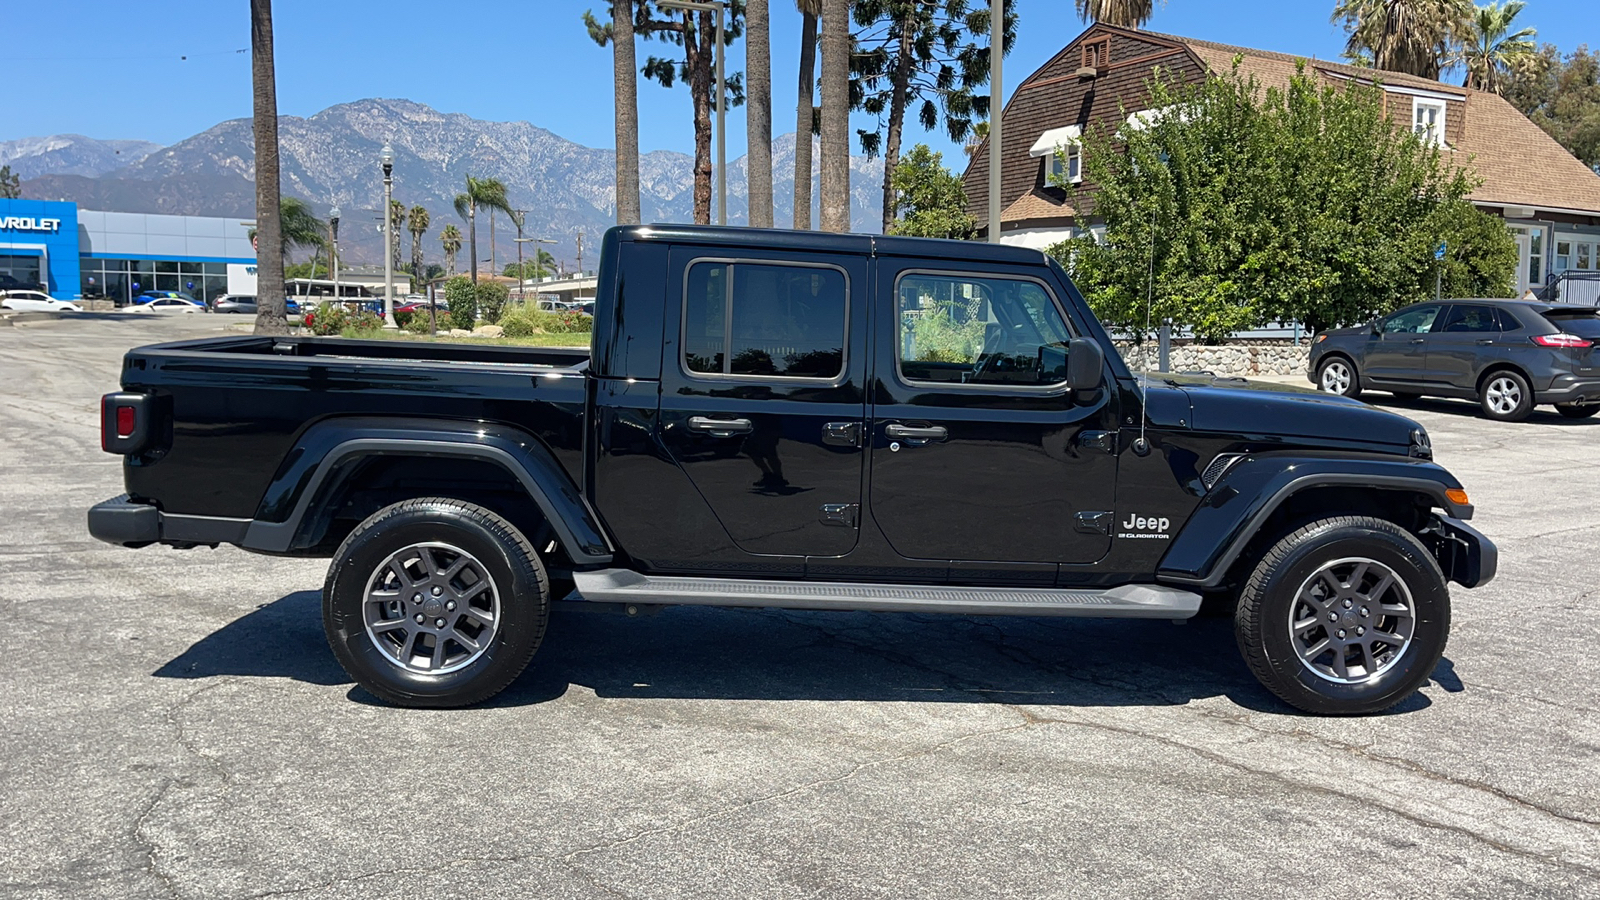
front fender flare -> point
(329, 450)
(1239, 504)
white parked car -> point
(166, 305)
(35, 301)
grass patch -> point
(577, 339)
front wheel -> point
(1577, 410)
(1346, 616)
(435, 602)
(1337, 375)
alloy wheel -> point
(1352, 620)
(431, 608)
(1502, 395)
(1336, 377)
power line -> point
(181, 57)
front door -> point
(980, 452)
(761, 396)
(1398, 353)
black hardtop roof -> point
(827, 242)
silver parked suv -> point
(1507, 354)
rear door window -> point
(764, 320)
(1467, 317)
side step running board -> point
(1129, 601)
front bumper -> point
(1465, 555)
(131, 524)
(1570, 389)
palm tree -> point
(397, 224)
(419, 227)
(486, 192)
(1490, 48)
(1122, 13)
(271, 315)
(450, 238)
(625, 85)
(835, 187)
(758, 112)
(805, 111)
(1409, 36)
(300, 227)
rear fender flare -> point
(1239, 505)
(329, 451)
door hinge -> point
(843, 514)
(1094, 523)
(842, 434)
(1104, 441)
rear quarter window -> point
(1584, 326)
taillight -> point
(125, 421)
(1562, 340)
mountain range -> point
(331, 159)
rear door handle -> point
(720, 427)
(916, 432)
(1416, 340)
(1484, 342)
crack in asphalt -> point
(148, 846)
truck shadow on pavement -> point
(695, 653)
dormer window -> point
(1062, 149)
(1427, 120)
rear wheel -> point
(1577, 411)
(1337, 375)
(1505, 396)
(1346, 616)
(435, 602)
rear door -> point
(762, 400)
(1467, 340)
(980, 453)
(1399, 352)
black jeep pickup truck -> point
(801, 420)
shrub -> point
(418, 323)
(363, 321)
(328, 319)
(402, 319)
(463, 302)
(517, 325)
(491, 301)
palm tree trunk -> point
(804, 112)
(758, 112)
(698, 50)
(472, 240)
(492, 269)
(901, 81)
(271, 315)
(625, 76)
(835, 186)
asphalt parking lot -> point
(172, 724)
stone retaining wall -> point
(1257, 357)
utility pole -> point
(580, 253)
(997, 52)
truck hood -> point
(1267, 410)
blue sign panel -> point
(47, 230)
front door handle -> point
(916, 432)
(720, 427)
(1416, 340)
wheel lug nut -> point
(438, 623)
(1341, 634)
(417, 599)
(1347, 604)
(1365, 612)
(1333, 617)
(1360, 630)
(451, 605)
(419, 618)
(437, 590)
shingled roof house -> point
(1549, 199)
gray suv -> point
(1507, 354)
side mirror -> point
(1376, 325)
(1086, 365)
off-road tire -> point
(1263, 628)
(516, 574)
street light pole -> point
(719, 7)
(333, 262)
(537, 265)
(388, 237)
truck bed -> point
(237, 405)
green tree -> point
(618, 32)
(1490, 49)
(298, 227)
(272, 308)
(531, 268)
(1122, 13)
(461, 295)
(491, 296)
(397, 224)
(1410, 36)
(1562, 96)
(419, 222)
(10, 184)
(489, 193)
(930, 57)
(930, 200)
(450, 240)
(1241, 207)
(805, 111)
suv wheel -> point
(1346, 616)
(1577, 410)
(1337, 375)
(1505, 396)
(435, 602)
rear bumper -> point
(130, 524)
(1465, 555)
(1570, 389)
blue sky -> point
(115, 69)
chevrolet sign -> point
(29, 223)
